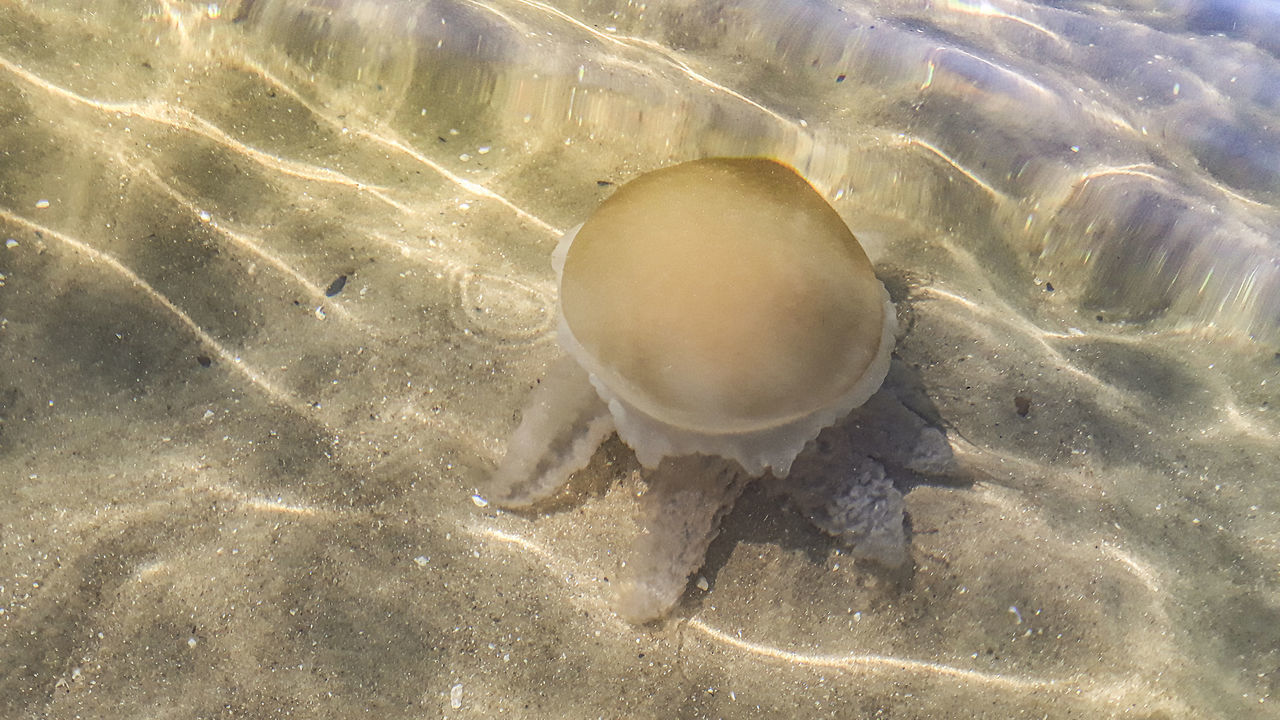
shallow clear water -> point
(239, 487)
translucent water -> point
(275, 282)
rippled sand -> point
(275, 282)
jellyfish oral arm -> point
(563, 423)
(680, 512)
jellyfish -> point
(718, 315)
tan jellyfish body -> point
(722, 307)
(718, 315)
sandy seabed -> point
(275, 283)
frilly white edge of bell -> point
(757, 451)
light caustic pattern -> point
(275, 276)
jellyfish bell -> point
(722, 307)
(717, 314)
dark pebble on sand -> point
(336, 286)
(1022, 404)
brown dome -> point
(723, 296)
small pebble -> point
(1022, 404)
(455, 696)
(336, 286)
